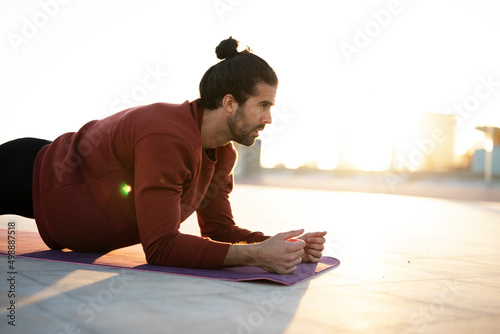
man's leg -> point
(16, 175)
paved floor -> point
(408, 265)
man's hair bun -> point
(227, 48)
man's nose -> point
(268, 119)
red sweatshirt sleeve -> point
(161, 171)
(215, 216)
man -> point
(135, 176)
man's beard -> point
(241, 129)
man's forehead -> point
(265, 93)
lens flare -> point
(125, 189)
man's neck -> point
(214, 131)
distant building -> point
(432, 149)
(248, 158)
(478, 162)
(479, 159)
(438, 131)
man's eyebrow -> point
(267, 102)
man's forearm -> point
(279, 254)
(241, 255)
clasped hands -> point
(283, 252)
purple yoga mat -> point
(30, 245)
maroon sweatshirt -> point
(135, 177)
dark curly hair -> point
(237, 74)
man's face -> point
(253, 115)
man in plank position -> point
(135, 176)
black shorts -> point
(16, 175)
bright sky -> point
(353, 74)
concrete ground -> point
(408, 265)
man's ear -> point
(229, 103)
